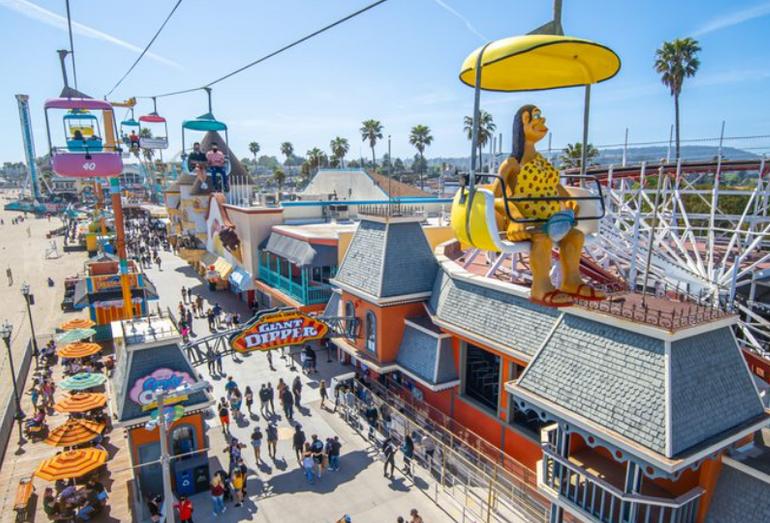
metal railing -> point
(459, 478)
(606, 502)
(308, 295)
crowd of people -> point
(144, 241)
(73, 502)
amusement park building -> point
(619, 417)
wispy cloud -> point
(462, 18)
(35, 12)
(733, 18)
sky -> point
(397, 63)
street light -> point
(6, 329)
(30, 299)
(161, 398)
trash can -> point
(185, 485)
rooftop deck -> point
(671, 310)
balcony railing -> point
(307, 295)
(605, 502)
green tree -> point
(398, 165)
(280, 177)
(339, 148)
(287, 149)
(254, 149)
(315, 157)
(573, 153)
(371, 130)
(675, 61)
(421, 138)
(304, 170)
(487, 129)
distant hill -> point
(633, 155)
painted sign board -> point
(143, 390)
(278, 328)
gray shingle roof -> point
(608, 375)
(616, 378)
(739, 498)
(143, 363)
(503, 318)
(418, 353)
(388, 260)
(332, 308)
(711, 390)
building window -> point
(182, 440)
(371, 332)
(350, 319)
(481, 380)
(526, 421)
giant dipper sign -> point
(276, 329)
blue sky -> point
(397, 63)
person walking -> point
(236, 399)
(190, 320)
(271, 397)
(184, 294)
(324, 393)
(407, 448)
(272, 439)
(287, 399)
(248, 396)
(185, 508)
(217, 492)
(238, 481)
(298, 442)
(211, 358)
(256, 444)
(317, 449)
(307, 463)
(296, 388)
(210, 320)
(199, 302)
(269, 356)
(224, 417)
(264, 398)
(416, 517)
(389, 449)
(9, 275)
(334, 453)
(218, 361)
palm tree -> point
(279, 176)
(315, 157)
(371, 130)
(573, 153)
(287, 149)
(675, 61)
(254, 148)
(339, 147)
(487, 129)
(421, 138)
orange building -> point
(619, 411)
(149, 357)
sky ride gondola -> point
(204, 123)
(129, 131)
(153, 132)
(85, 151)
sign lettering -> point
(144, 389)
(276, 329)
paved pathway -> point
(278, 489)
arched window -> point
(350, 322)
(371, 331)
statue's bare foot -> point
(585, 292)
(553, 298)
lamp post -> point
(162, 398)
(30, 299)
(5, 332)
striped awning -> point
(241, 281)
(223, 268)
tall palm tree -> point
(371, 130)
(279, 176)
(675, 61)
(421, 138)
(573, 153)
(487, 129)
(339, 147)
(315, 157)
(287, 149)
(254, 149)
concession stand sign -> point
(276, 329)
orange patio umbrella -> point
(77, 323)
(72, 464)
(74, 432)
(79, 349)
(81, 402)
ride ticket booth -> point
(149, 357)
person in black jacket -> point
(298, 442)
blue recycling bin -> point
(185, 483)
